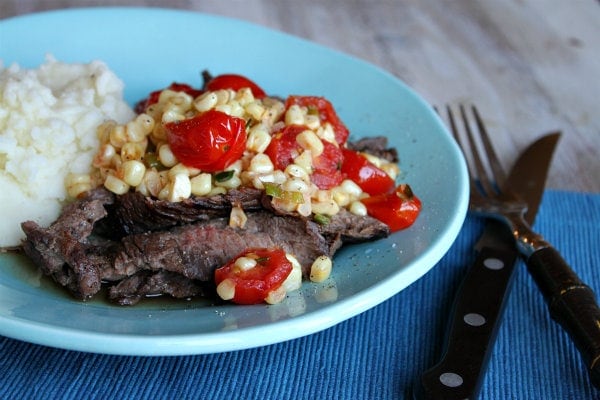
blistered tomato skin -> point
(365, 174)
(326, 112)
(283, 146)
(211, 141)
(398, 209)
(235, 82)
(153, 97)
(253, 285)
(326, 167)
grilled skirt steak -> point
(166, 255)
(135, 213)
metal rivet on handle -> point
(493, 263)
(451, 379)
(474, 319)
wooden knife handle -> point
(572, 304)
(476, 315)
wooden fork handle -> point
(572, 304)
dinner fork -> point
(571, 303)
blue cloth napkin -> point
(378, 354)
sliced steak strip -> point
(134, 213)
(62, 250)
(131, 290)
(376, 146)
(196, 250)
(353, 228)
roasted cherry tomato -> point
(398, 209)
(368, 176)
(326, 167)
(253, 285)
(283, 147)
(152, 98)
(210, 141)
(326, 112)
(234, 82)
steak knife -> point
(480, 300)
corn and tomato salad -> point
(188, 142)
(289, 151)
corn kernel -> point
(351, 188)
(312, 121)
(116, 185)
(171, 115)
(134, 150)
(261, 163)
(325, 207)
(230, 183)
(244, 96)
(326, 133)
(179, 169)
(255, 109)
(118, 136)
(320, 269)
(304, 160)
(276, 296)
(133, 172)
(295, 185)
(180, 188)
(201, 184)
(152, 182)
(358, 208)
(77, 184)
(376, 161)
(226, 289)
(294, 279)
(223, 96)
(245, 263)
(104, 155)
(391, 169)
(206, 101)
(237, 217)
(258, 139)
(308, 140)
(296, 171)
(294, 115)
(166, 156)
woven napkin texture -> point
(378, 354)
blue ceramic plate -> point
(150, 48)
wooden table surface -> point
(531, 66)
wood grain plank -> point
(531, 66)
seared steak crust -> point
(134, 213)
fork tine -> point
(495, 165)
(482, 174)
(454, 130)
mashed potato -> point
(48, 120)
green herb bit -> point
(272, 189)
(262, 260)
(292, 197)
(152, 161)
(224, 176)
(322, 219)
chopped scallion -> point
(224, 176)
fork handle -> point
(571, 303)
